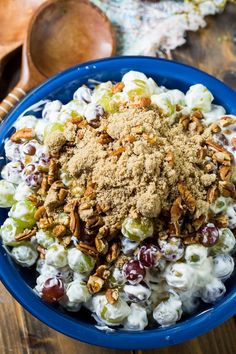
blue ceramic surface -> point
(20, 281)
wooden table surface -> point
(212, 49)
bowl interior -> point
(20, 281)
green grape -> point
(137, 229)
(44, 238)
(80, 262)
(53, 127)
(114, 314)
(7, 191)
(23, 213)
(225, 244)
(56, 256)
(9, 230)
(107, 103)
(24, 254)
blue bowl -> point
(21, 281)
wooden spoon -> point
(62, 33)
(14, 18)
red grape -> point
(149, 255)
(134, 271)
(53, 290)
(209, 235)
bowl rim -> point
(153, 338)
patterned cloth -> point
(156, 28)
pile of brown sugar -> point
(134, 163)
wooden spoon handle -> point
(10, 101)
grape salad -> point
(124, 201)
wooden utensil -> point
(62, 33)
(14, 18)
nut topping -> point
(94, 284)
(21, 134)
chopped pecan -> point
(26, 234)
(46, 223)
(225, 121)
(39, 212)
(74, 222)
(87, 249)
(113, 252)
(223, 158)
(118, 87)
(174, 228)
(184, 121)
(212, 194)
(187, 197)
(24, 133)
(225, 173)
(196, 114)
(94, 284)
(215, 128)
(129, 138)
(191, 240)
(170, 158)
(59, 230)
(143, 102)
(197, 223)
(104, 138)
(103, 272)
(116, 152)
(221, 221)
(52, 171)
(44, 185)
(41, 251)
(176, 210)
(62, 194)
(35, 200)
(227, 189)
(151, 139)
(101, 244)
(112, 295)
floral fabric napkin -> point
(156, 28)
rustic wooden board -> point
(212, 49)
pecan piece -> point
(26, 234)
(225, 173)
(101, 244)
(87, 249)
(113, 252)
(112, 295)
(221, 221)
(94, 284)
(39, 212)
(62, 194)
(74, 222)
(212, 194)
(104, 138)
(46, 223)
(184, 121)
(59, 230)
(187, 197)
(24, 133)
(176, 210)
(52, 171)
(118, 87)
(116, 152)
(227, 189)
(103, 272)
(225, 121)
